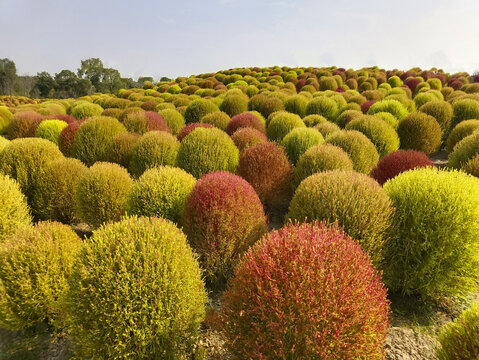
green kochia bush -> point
(206, 150)
(356, 201)
(298, 140)
(393, 107)
(50, 130)
(94, 139)
(3, 142)
(296, 104)
(199, 108)
(234, 104)
(437, 227)
(441, 111)
(35, 264)
(15, 212)
(101, 194)
(323, 106)
(464, 109)
(174, 120)
(161, 192)
(288, 288)
(327, 128)
(218, 119)
(281, 124)
(421, 132)
(222, 218)
(472, 166)
(86, 109)
(465, 150)
(313, 120)
(460, 131)
(136, 291)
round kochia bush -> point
(136, 288)
(161, 192)
(298, 140)
(421, 132)
(222, 218)
(247, 137)
(354, 200)
(207, 150)
(244, 120)
(465, 109)
(234, 104)
(281, 124)
(173, 119)
(122, 149)
(199, 108)
(323, 106)
(101, 193)
(393, 107)
(465, 150)
(460, 131)
(66, 138)
(86, 109)
(94, 139)
(218, 119)
(397, 162)
(24, 124)
(50, 130)
(15, 212)
(437, 227)
(296, 104)
(143, 122)
(320, 158)
(189, 128)
(35, 264)
(288, 288)
(472, 166)
(441, 111)
(460, 337)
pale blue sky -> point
(172, 38)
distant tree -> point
(25, 86)
(164, 78)
(129, 83)
(143, 79)
(111, 81)
(92, 69)
(8, 76)
(66, 82)
(44, 84)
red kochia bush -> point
(266, 167)
(366, 105)
(189, 128)
(244, 120)
(412, 83)
(222, 218)
(248, 137)
(24, 124)
(305, 292)
(65, 140)
(397, 162)
(64, 117)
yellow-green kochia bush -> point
(327, 128)
(3, 142)
(86, 109)
(174, 120)
(101, 194)
(441, 111)
(460, 131)
(161, 192)
(206, 150)
(421, 132)
(313, 120)
(298, 140)
(435, 243)
(296, 104)
(35, 264)
(136, 292)
(50, 130)
(281, 124)
(391, 106)
(14, 211)
(323, 106)
(234, 104)
(218, 119)
(356, 201)
(465, 150)
(199, 108)
(94, 139)
(464, 109)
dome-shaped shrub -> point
(366, 105)
(53, 197)
(360, 149)
(397, 162)
(441, 111)
(50, 130)
(460, 131)
(15, 211)
(247, 137)
(152, 297)
(207, 150)
(35, 264)
(245, 120)
(472, 166)
(267, 169)
(268, 105)
(460, 337)
(173, 119)
(313, 120)
(141, 123)
(122, 148)
(437, 226)
(189, 128)
(161, 192)
(464, 109)
(424, 98)
(290, 286)
(393, 107)
(419, 131)
(327, 128)
(296, 104)
(323, 106)
(24, 124)
(155, 148)
(298, 140)
(281, 124)
(66, 138)
(222, 218)
(4, 142)
(234, 104)
(199, 108)
(94, 139)
(25, 160)
(218, 119)
(465, 150)
(319, 158)
(395, 81)
(388, 118)
(346, 116)
(101, 193)
(85, 110)
(354, 200)
(5, 117)
(381, 134)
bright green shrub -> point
(460, 131)
(296, 104)
(197, 109)
(122, 148)
(419, 131)
(3, 142)
(35, 264)
(94, 139)
(395, 81)
(234, 104)
(174, 120)
(360, 149)
(464, 109)
(346, 116)
(136, 291)
(26, 160)
(85, 110)
(319, 158)
(437, 226)
(101, 194)
(15, 212)
(381, 134)
(281, 124)
(53, 197)
(218, 119)
(356, 201)
(161, 192)
(50, 130)
(388, 118)
(327, 128)
(435, 83)
(391, 106)
(155, 148)
(423, 98)
(327, 83)
(465, 150)
(205, 150)
(441, 111)
(298, 140)
(313, 120)
(323, 106)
